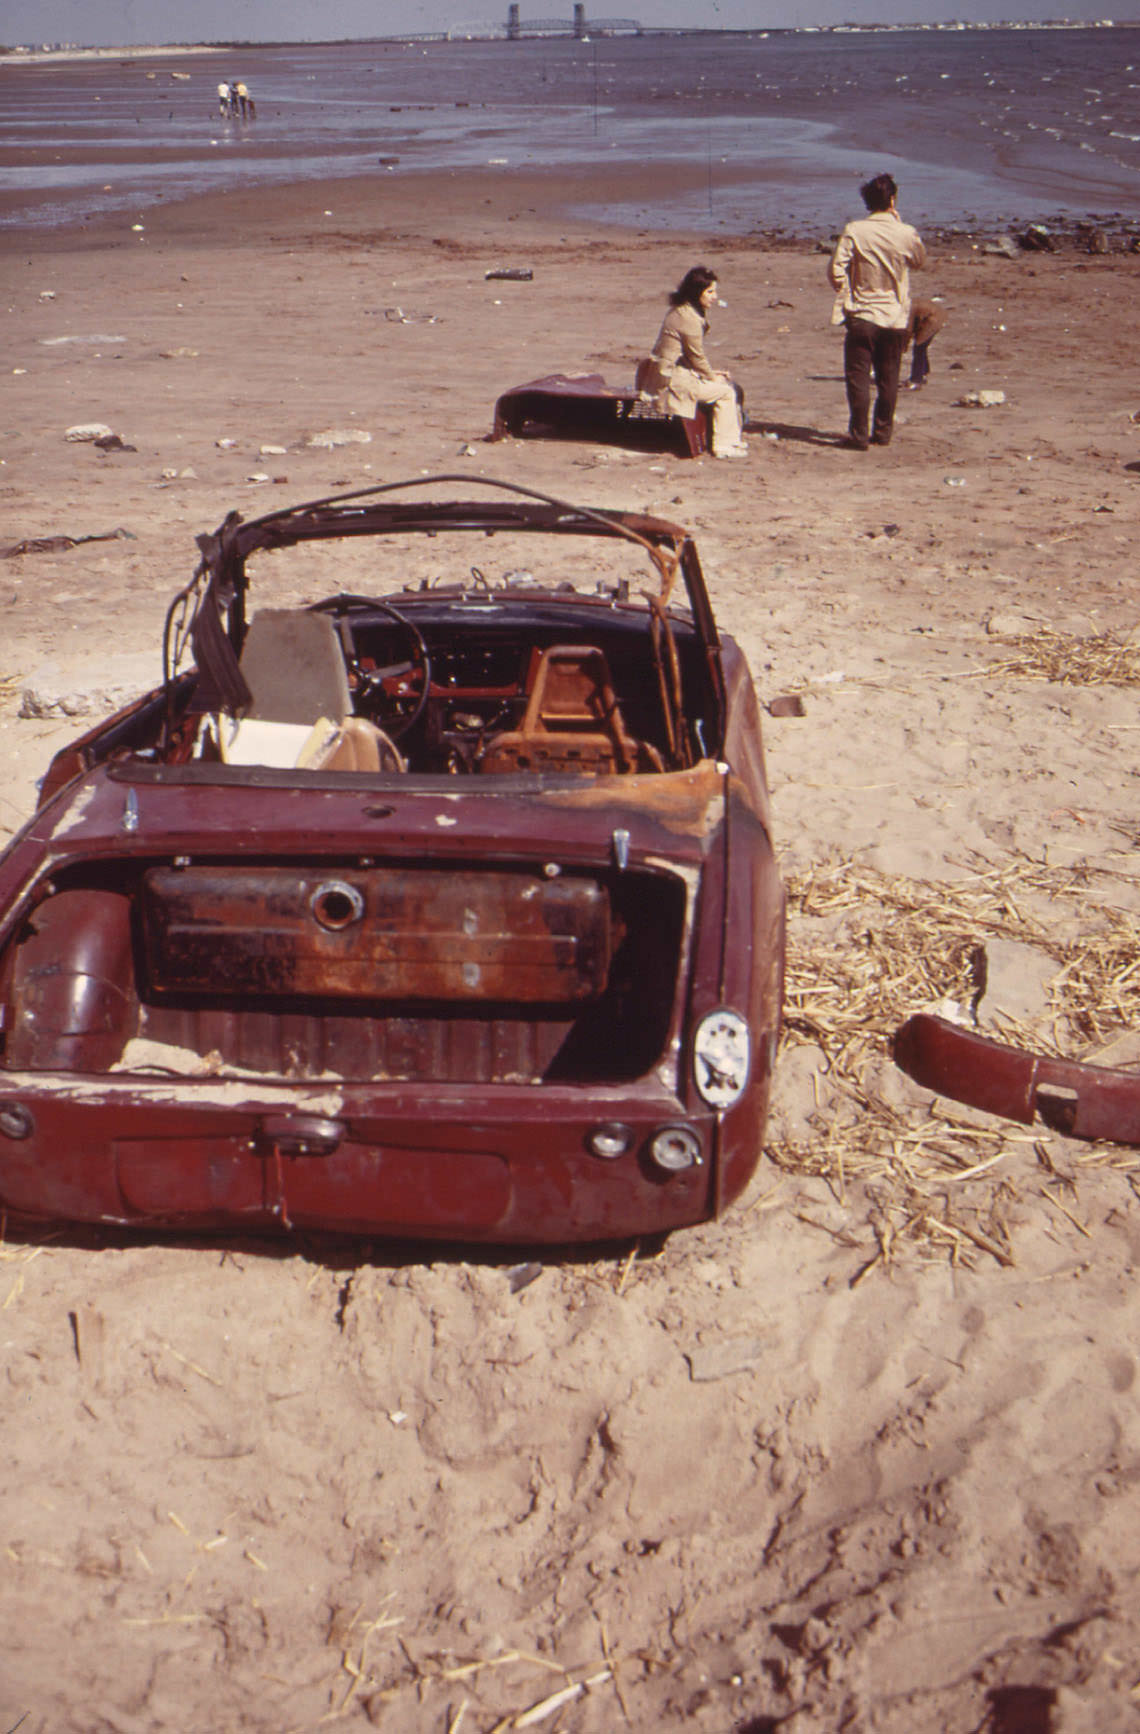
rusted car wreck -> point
(444, 910)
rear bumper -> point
(439, 1164)
(1081, 1101)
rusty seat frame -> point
(572, 722)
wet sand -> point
(281, 1485)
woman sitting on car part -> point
(678, 372)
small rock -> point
(787, 704)
(89, 432)
(1001, 248)
(721, 1360)
(331, 437)
(467, 451)
(1037, 239)
(1011, 626)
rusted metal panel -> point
(69, 995)
(377, 934)
(1079, 1100)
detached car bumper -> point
(1078, 1100)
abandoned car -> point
(443, 906)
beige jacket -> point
(871, 268)
(678, 354)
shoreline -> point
(413, 203)
(22, 55)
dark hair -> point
(692, 286)
(877, 194)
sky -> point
(101, 23)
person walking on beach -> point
(678, 372)
(225, 101)
(243, 100)
(870, 271)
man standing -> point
(870, 271)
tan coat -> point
(870, 269)
(678, 354)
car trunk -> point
(422, 960)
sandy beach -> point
(863, 1455)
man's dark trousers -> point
(872, 349)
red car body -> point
(445, 912)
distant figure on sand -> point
(870, 269)
(926, 320)
(244, 100)
(225, 101)
(679, 374)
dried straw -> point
(1101, 660)
(866, 949)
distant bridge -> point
(576, 26)
(516, 28)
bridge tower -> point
(579, 19)
(513, 21)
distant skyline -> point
(114, 23)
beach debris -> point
(138, 228)
(53, 690)
(47, 295)
(509, 274)
(1097, 242)
(87, 432)
(955, 481)
(979, 400)
(467, 451)
(57, 544)
(1002, 248)
(721, 1360)
(787, 704)
(95, 337)
(520, 1276)
(113, 442)
(1037, 239)
(272, 452)
(401, 316)
(257, 476)
(1077, 1099)
(225, 445)
(330, 437)
(179, 354)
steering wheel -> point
(398, 692)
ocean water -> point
(774, 129)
